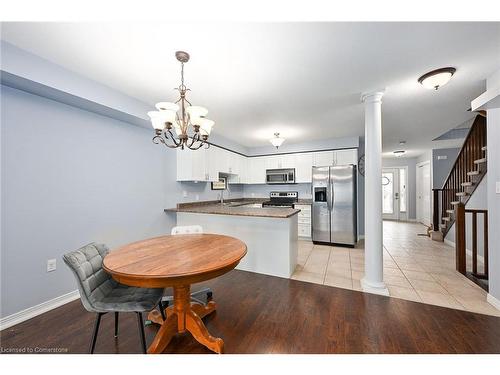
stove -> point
(282, 199)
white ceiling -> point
(301, 79)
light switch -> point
(498, 187)
(184, 193)
(51, 265)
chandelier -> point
(189, 123)
(277, 141)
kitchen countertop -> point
(235, 207)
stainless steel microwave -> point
(280, 176)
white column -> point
(373, 280)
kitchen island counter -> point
(236, 209)
(271, 234)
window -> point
(402, 190)
(387, 192)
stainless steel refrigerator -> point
(334, 212)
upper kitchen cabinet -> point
(280, 161)
(303, 167)
(257, 170)
(323, 159)
(345, 157)
(191, 165)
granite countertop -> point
(234, 207)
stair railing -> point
(463, 178)
(461, 242)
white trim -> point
(374, 288)
(493, 301)
(448, 242)
(39, 309)
(468, 251)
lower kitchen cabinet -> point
(304, 222)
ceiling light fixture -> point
(181, 116)
(437, 78)
(277, 141)
(399, 153)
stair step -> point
(473, 173)
(461, 194)
(446, 218)
(480, 161)
(450, 211)
(484, 148)
(454, 203)
(443, 226)
(468, 183)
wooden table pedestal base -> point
(184, 316)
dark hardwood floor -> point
(264, 314)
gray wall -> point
(441, 168)
(410, 163)
(493, 156)
(70, 177)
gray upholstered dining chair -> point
(101, 294)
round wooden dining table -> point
(177, 261)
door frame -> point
(395, 190)
(401, 216)
(419, 207)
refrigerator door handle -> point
(330, 198)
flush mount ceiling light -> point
(399, 153)
(437, 78)
(183, 117)
(277, 141)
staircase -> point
(467, 172)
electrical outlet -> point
(51, 265)
(498, 187)
(197, 197)
(184, 193)
(253, 195)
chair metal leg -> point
(141, 331)
(116, 323)
(162, 311)
(96, 330)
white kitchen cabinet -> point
(257, 170)
(206, 164)
(191, 165)
(303, 167)
(304, 220)
(345, 157)
(323, 158)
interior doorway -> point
(424, 193)
(394, 193)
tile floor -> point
(415, 268)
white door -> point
(390, 193)
(424, 193)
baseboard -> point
(450, 243)
(468, 251)
(493, 301)
(43, 307)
